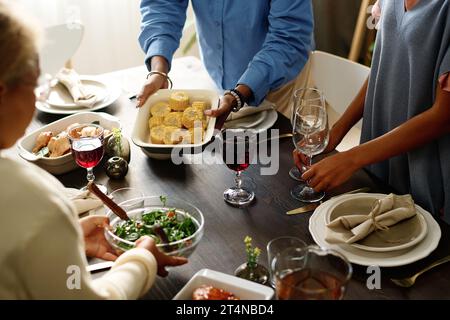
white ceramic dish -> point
(268, 121)
(65, 163)
(113, 93)
(60, 97)
(140, 134)
(318, 229)
(241, 288)
(250, 121)
(400, 236)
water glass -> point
(134, 198)
(276, 246)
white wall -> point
(111, 31)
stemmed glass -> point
(302, 97)
(310, 136)
(237, 152)
(86, 142)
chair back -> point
(60, 44)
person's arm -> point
(52, 269)
(283, 55)
(161, 30)
(285, 50)
(417, 131)
(348, 119)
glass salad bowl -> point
(182, 223)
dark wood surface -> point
(222, 247)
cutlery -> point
(281, 136)
(313, 206)
(409, 282)
(107, 201)
(101, 266)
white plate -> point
(400, 236)
(268, 121)
(64, 163)
(318, 229)
(246, 122)
(241, 288)
(60, 97)
(113, 94)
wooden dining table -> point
(222, 246)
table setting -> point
(363, 223)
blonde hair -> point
(20, 39)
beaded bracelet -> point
(161, 74)
(237, 96)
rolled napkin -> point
(71, 80)
(83, 201)
(386, 212)
(248, 111)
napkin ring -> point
(162, 74)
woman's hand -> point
(153, 84)
(331, 171)
(162, 259)
(155, 81)
(301, 161)
(96, 245)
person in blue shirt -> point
(249, 47)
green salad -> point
(176, 225)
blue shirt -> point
(263, 44)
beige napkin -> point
(385, 213)
(248, 111)
(84, 201)
(71, 80)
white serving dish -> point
(241, 288)
(141, 132)
(65, 163)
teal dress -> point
(412, 51)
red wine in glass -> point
(88, 152)
(236, 155)
(86, 141)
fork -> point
(409, 282)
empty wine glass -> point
(310, 136)
(86, 142)
(237, 152)
(301, 97)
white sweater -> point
(41, 244)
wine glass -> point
(301, 97)
(237, 151)
(310, 136)
(86, 142)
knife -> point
(101, 266)
(312, 206)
